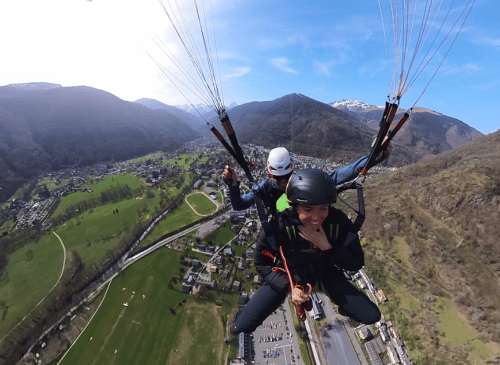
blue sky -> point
(329, 51)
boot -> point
(299, 310)
(308, 305)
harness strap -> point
(266, 225)
(268, 254)
(288, 272)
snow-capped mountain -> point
(365, 112)
(353, 105)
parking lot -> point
(275, 340)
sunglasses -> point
(283, 177)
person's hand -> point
(316, 237)
(298, 295)
(229, 173)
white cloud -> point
(239, 71)
(283, 63)
(463, 70)
(325, 68)
(488, 41)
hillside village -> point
(211, 274)
(152, 171)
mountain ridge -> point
(48, 129)
(46, 126)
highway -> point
(340, 347)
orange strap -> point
(268, 254)
(287, 271)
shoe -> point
(299, 310)
(308, 306)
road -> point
(339, 342)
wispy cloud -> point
(296, 38)
(488, 41)
(326, 68)
(237, 72)
(231, 56)
(487, 86)
(283, 64)
(463, 70)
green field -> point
(184, 161)
(148, 331)
(147, 157)
(100, 230)
(178, 218)
(96, 190)
(458, 331)
(201, 203)
(30, 274)
(223, 235)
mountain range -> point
(426, 132)
(46, 127)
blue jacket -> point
(270, 193)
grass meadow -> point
(178, 218)
(147, 331)
(147, 157)
(201, 203)
(97, 188)
(30, 274)
(99, 230)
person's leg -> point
(351, 301)
(264, 302)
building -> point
(246, 348)
(381, 296)
(318, 312)
(237, 216)
(243, 298)
(236, 285)
(364, 333)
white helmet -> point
(279, 162)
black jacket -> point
(304, 261)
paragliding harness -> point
(299, 308)
(282, 261)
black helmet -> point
(311, 187)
